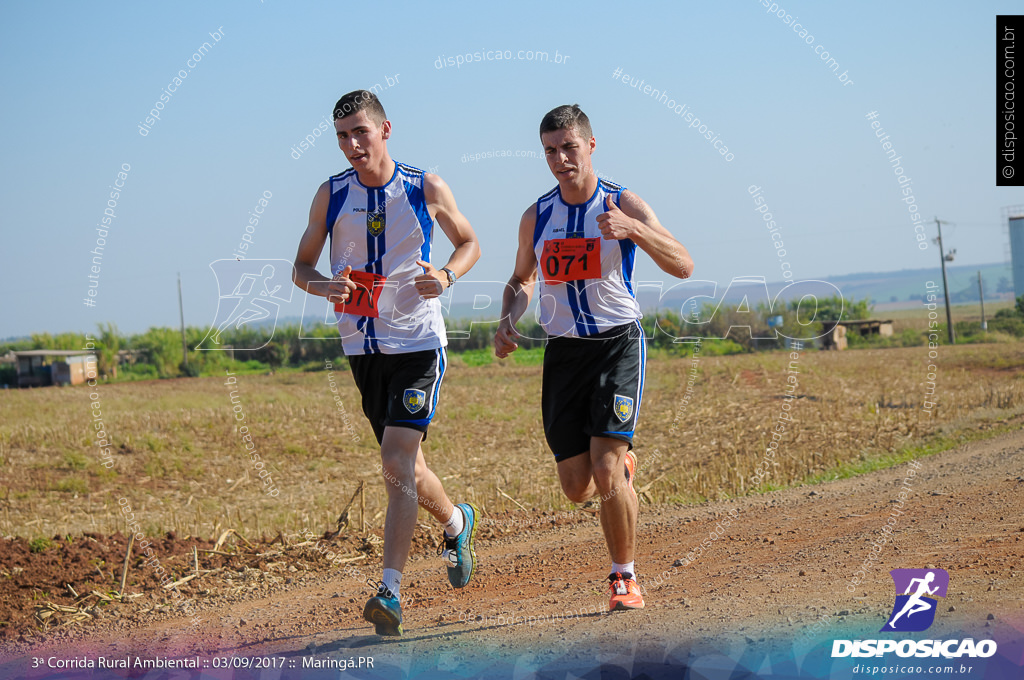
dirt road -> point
(763, 583)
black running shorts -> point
(592, 388)
(399, 390)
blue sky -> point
(81, 78)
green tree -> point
(833, 308)
(59, 341)
(162, 347)
(274, 354)
(107, 346)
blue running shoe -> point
(459, 553)
(384, 611)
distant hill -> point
(906, 285)
(891, 290)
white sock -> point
(393, 581)
(453, 527)
(623, 568)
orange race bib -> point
(571, 259)
(363, 300)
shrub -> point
(72, 485)
(716, 348)
(38, 545)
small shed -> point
(43, 367)
(834, 337)
(865, 327)
(836, 331)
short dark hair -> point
(567, 117)
(360, 100)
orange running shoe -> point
(625, 593)
(630, 470)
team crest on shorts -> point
(414, 400)
(623, 408)
(375, 222)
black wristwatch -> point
(451, 276)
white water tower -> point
(1015, 228)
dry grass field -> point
(916, 317)
(180, 462)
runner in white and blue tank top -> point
(578, 245)
(584, 307)
(379, 218)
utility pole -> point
(181, 313)
(945, 283)
(981, 296)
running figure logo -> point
(250, 292)
(914, 610)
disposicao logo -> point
(914, 611)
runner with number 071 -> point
(578, 244)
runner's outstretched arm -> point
(516, 298)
